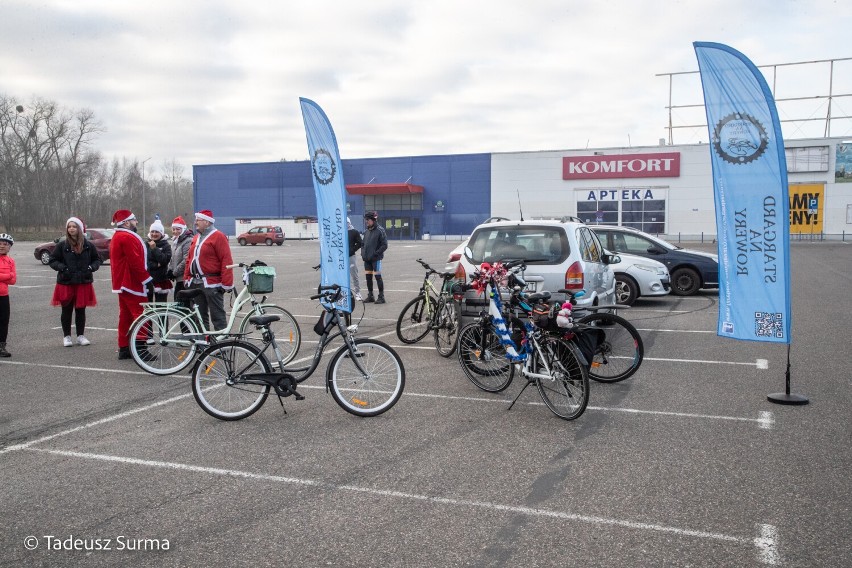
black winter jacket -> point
(375, 244)
(355, 241)
(158, 260)
(73, 268)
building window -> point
(396, 202)
(641, 208)
(809, 159)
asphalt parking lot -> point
(684, 464)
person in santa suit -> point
(128, 256)
(206, 269)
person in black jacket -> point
(159, 256)
(375, 245)
(74, 259)
(355, 244)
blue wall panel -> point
(285, 189)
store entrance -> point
(398, 227)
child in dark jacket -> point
(159, 255)
(75, 260)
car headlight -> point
(646, 267)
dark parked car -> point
(690, 270)
(267, 234)
(98, 237)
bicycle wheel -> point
(215, 383)
(620, 353)
(288, 336)
(415, 319)
(164, 342)
(447, 328)
(370, 394)
(566, 393)
(483, 358)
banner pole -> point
(786, 397)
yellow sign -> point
(806, 207)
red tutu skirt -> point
(81, 295)
(164, 286)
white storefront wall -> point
(537, 177)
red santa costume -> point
(128, 256)
(209, 254)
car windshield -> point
(536, 245)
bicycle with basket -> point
(168, 335)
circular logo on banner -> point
(739, 138)
(324, 166)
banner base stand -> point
(787, 398)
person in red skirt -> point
(159, 256)
(75, 260)
(128, 256)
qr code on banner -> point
(767, 324)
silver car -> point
(636, 276)
(558, 255)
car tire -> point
(44, 257)
(242, 242)
(685, 282)
(626, 290)
(268, 242)
(279, 244)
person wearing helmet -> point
(375, 245)
(8, 276)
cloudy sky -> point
(215, 81)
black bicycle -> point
(232, 379)
(432, 310)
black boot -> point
(369, 298)
(3, 352)
(124, 353)
(380, 299)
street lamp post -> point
(144, 221)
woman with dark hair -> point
(74, 259)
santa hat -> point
(205, 214)
(157, 226)
(77, 222)
(122, 216)
(179, 222)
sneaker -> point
(81, 340)
(124, 353)
(358, 296)
(67, 341)
(369, 299)
(380, 299)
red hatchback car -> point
(98, 237)
(266, 234)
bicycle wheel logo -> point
(323, 166)
(739, 138)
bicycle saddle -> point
(538, 297)
(264, 320)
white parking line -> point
(765, 543)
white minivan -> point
(558, 255)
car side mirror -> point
(56, 240)
(612, 259)
(655, 250)
(468, 254)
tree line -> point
(50, 169)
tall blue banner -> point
(327, 174)
(750, 188)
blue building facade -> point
(439, 195)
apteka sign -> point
(664, 164)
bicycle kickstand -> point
(529, 382)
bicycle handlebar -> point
(331, 292)
(430, 270)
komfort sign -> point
(664, 164)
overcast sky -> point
(217, 81)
